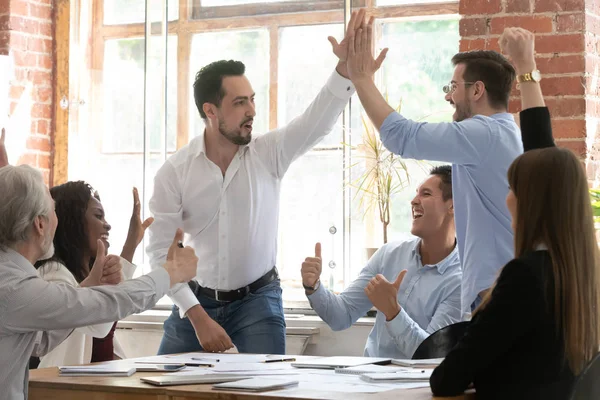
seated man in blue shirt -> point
(414, 284)
(481, 142)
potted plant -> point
(595, 198)
(385, 174)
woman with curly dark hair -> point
(81, 224)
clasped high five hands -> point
(355, 51)
(384, 294)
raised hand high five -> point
(360, 62)
(137, 228)
(341, 49)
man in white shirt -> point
(223, 187)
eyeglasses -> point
(451, 87)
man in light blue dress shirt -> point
(414, 284)
(481, 143)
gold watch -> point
(533, 76)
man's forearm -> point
(531, 92)
(373, 102)
(196, 314)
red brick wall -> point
(26, 31)
(567, 48)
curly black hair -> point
(71, 239)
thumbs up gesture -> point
(311, 268)
(107, 269)
(384, 294)
(181, 261)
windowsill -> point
(157, 317)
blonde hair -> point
(554, 209)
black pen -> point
(279, 360)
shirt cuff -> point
(340, 87)
(184, 298)
(128, 268)
(162, 281)
(318, 297)
(399, 327)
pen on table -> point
(279, 360)
(187, 364)
(202, 359)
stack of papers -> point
(369, 369)
(97, 370)
(424, 363)
(402, 376)
(340, 362)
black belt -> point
(228, 296)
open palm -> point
(341, 49)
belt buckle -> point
(217, 295)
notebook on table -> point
(97, 370)
(425, 363)
(402, 376)
(340, 362)
(257, 385)
(172, 380)
(369, 369)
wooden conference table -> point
(45, 384)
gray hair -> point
(23, 197)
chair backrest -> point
(440, 342)
(587, 385)
(34, 362)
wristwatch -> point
(312, 288)
(533, 76)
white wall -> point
(140, 335)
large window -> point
(140, 62)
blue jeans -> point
(255, 323)
(476, 303)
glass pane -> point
(134, 11)
(307, 212)
(305, 63)
(123, 89)
(417, 66)
(250, 47)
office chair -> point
(441, 341)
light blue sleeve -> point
(342, 310)
(465, 143)
(408, 335)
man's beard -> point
(463, 111)
(234, 136)
(48, 245)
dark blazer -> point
(513, 348)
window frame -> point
(193, 20)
